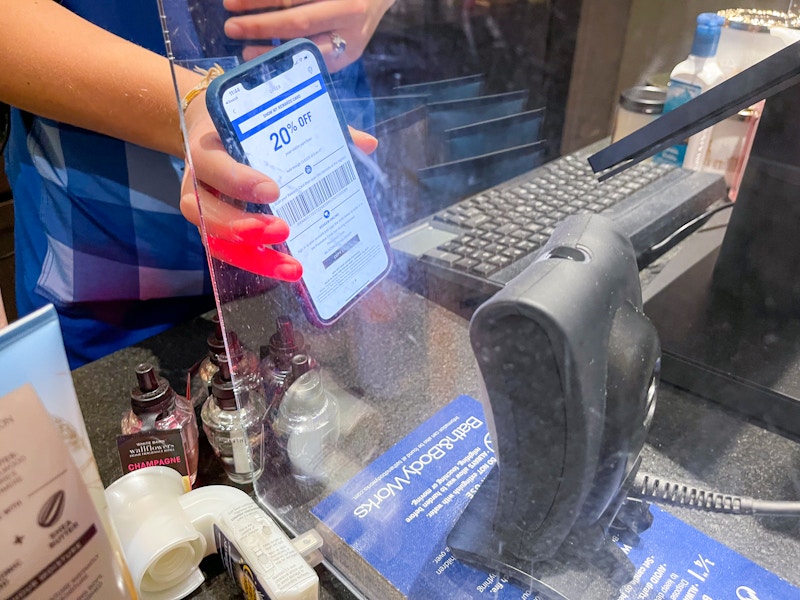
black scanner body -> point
(570, 365)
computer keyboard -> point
(482, 242)
(504, 225)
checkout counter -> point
(691, 440)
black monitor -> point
(730, 324)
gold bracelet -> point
(208, 76)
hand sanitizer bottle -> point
(689, 79)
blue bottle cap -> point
(706, 34)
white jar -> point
(637, 107)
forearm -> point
(60, 66)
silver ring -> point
(339, 44)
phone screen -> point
(288, 129)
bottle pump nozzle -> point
(152, 392)
(285, 342)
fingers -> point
(248, 5)
(233, 235)
(301, 21)
(217, 169)
(365, 142)
(335, 61)
(251, 52)
(257, 259)
(238, 238)
(226, 220)
(315, 20)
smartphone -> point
(279, 114)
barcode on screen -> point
(319, 193)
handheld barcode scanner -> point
(571, 368)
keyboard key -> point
(508, 240)
(528, 246)
(508, 228)
(500, 261)
(450, 217)
(469, 211)
(478, 243)
(485, 269)
(466, 263)
(475, 221)
(441, 257)
(451, 246)
(525, 221)
(537, 238)
(495, 248)
(516, 253)
(492, 236)
(481, 255)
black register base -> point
(691, 440)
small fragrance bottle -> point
(276, 364)
(210, 363)
(155, 406)
(235, 429)
(307, 423)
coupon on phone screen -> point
(288, 129)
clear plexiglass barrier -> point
(440, 452)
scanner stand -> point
(589, 565)
(570, 366)
(589, 561)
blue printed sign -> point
(397, 512)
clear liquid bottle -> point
(689, 79)
(155, 406)
(307, 423)
(210, 363)
(235, 428)
(276, 364)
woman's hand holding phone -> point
(278, 114)
(340, 28)
(237, 237)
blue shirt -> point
(98, 229)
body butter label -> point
(56, 547)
